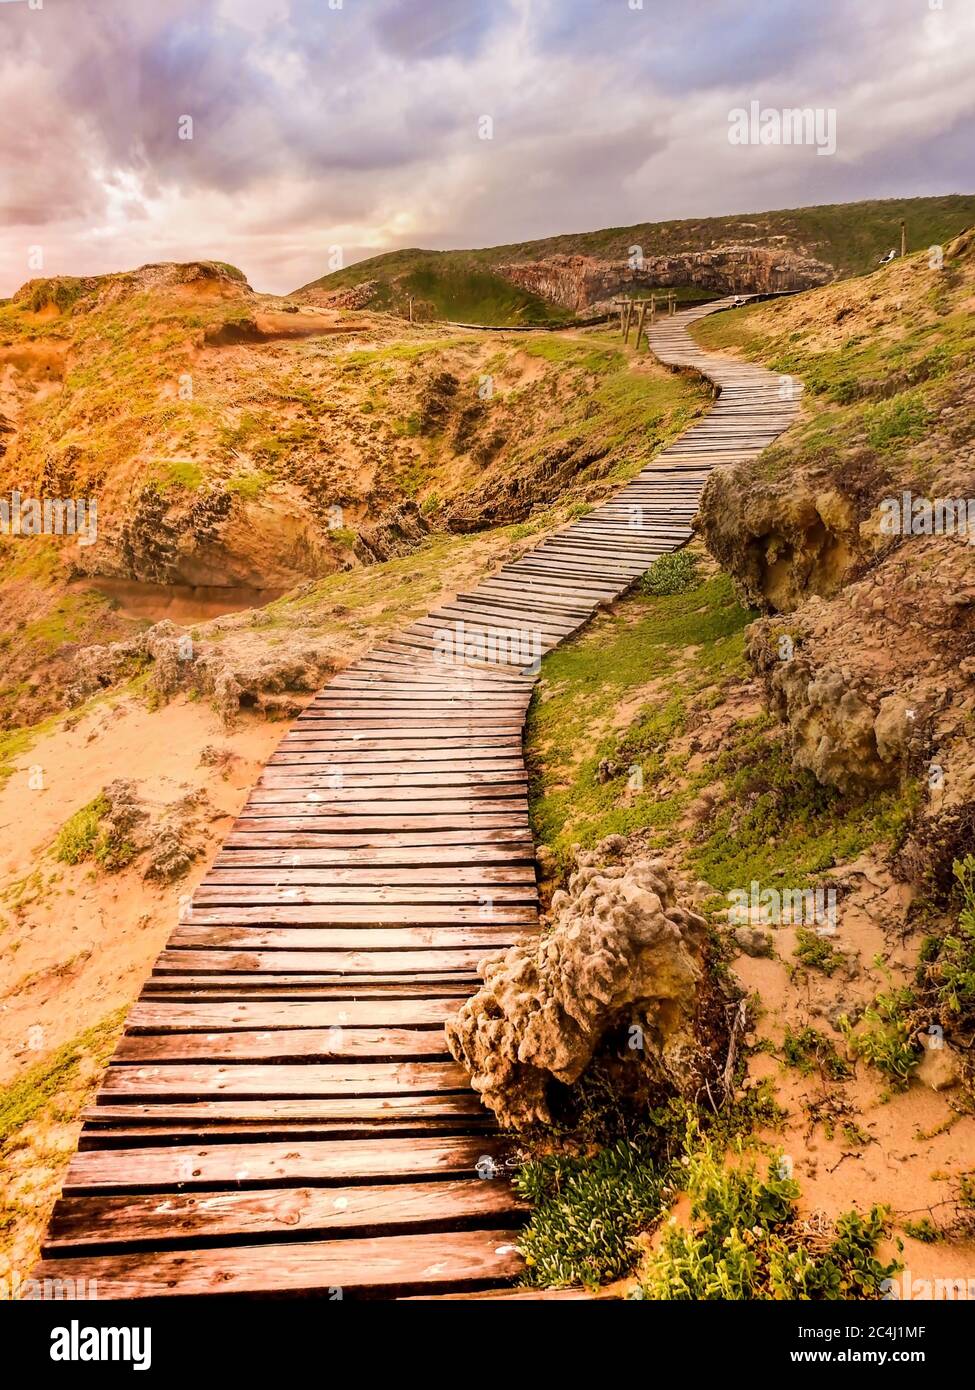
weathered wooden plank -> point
(300, 1043)
(416, 914)
(468, 874)
(237, 937)
(325, 1163)
(361, 804)
(347, 1014)
(461, 823)
(463, 726)
(311, 759)
(212, 893)
(318, 1079)
(490, 856)
(342, 964)
(490, 783)
(215, 988)
(338, 1268)
(277, 838)
(461, 693)
(280, 1132)
(93, 1223)
(197, 1114)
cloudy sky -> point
(358, 123)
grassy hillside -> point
(462, 285)
(448, 289)
(851, 236)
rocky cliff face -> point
(584, 284)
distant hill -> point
(533, 282)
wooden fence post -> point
(639, 326)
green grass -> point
(776, 823)
(182, 473)
(621, 416)
(744, 1241)
(953, 971)
(122, 352)
(586, 1212)
(597, 358)
(943, 994)
(584, 683)
(249, 486)
(674, 573)
(885, 1036)
(230, 270)
(85, 836)
(63, 292)
(743, 1238)
(923, 1230)
(591, 1203)
(907, 417)
(445, 287)
(466, 295)
(342, 536)
(773, 820)
(78, 837)
(21, 1101)
(875, 392)
(68, 621)
(815, 952)
(808, 1051)
(14, 743)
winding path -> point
(281, 1114)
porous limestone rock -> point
(939, 1069)
(246, 671)
(876, 679)
(876, 687)
(621, 973)
(172, 842)
(781, 539)
(754, 942)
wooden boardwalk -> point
(281, 1115)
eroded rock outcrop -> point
(878, 684)
(398, 531)
(358, 296)
(246, 671)
(620, 976)
(212, 537)
(784, 537)
(587, 284)
(165, 837)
